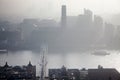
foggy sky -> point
(15, 9)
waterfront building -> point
(84, 74)
(103, 74)
(64, 74)
(18, 72)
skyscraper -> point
(63, 16)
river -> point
(57, 60)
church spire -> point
(6, 65)
(29, 63)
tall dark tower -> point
(63, 16)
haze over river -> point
(57, 60)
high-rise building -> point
(88, 13)
(63, 16)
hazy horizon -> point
(17, 10)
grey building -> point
(103, 74)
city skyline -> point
(53, 33)
(109, 10)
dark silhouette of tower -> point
(63, 16)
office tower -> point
(63, 16)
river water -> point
(57, 60)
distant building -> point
(54, 74)
(47, 23)
(58, 74)
(18, 72)
(98, 24)
(83, 21)
(27, 26)
(72, 21)
(98, 21)
(118, 31)
(103, 74)
(73, 74)
(109, 32)
(64, 74)
(10, 39)
(83, 74)
(89, 15)
(98, 28)
(63, 16)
